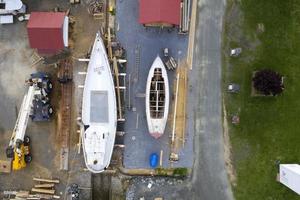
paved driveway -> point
(142, 46)
(209, 181)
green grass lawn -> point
(270, 126)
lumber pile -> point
(184, 16)
(45, 186)
(45, 189)
(171, 63)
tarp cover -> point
(99, 107)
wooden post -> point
(160, 158)
(184, 106)
(129, 98)
(110, 54)
(115, 65)
(175, 109)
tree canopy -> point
(268, 82)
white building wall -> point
(290, 176)
(66, 31)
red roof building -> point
(159, 12)
(48, 31)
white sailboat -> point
(157, 98)
(99, 110)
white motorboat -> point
(99, 110)
(157, 98)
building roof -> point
(45, 31)
(46, 20)
(160, 11)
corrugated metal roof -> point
(160, 11)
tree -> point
(268, 82)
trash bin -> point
(153, 160)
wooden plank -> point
(175, 109)
(81, 132)
(44, 191)
(46, 180)
(180, 109)
(22, 194)
(46, 185)
(115, 65)
(43, 196)
(161, 158)
(110, 53)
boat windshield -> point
(99, 107)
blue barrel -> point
(153, 160)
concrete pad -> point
(142, 46)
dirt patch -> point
(235, 34)
(227, 149)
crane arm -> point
(23, 116)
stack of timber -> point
(184, 16)
(171, 63)
(45, 188)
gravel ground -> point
(15, 66)
(151, 187)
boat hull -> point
(99, 111)
(157, 98)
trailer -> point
(12, 7)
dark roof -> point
(160, 11)
(45, 31)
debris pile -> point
(96, 8)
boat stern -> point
(157, 127)
(156, 135)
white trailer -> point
(289, 175)
(12, 7)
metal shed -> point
(48, 31)
(159, 12)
